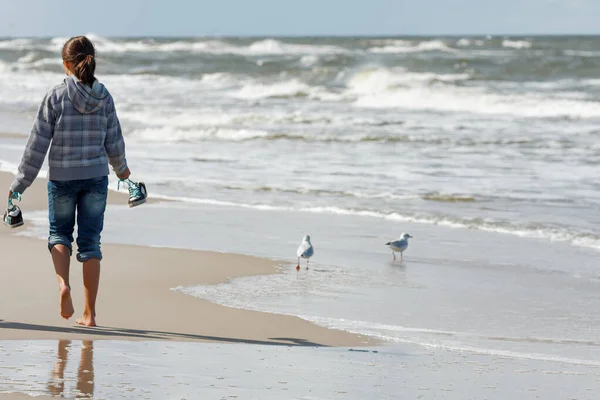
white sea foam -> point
(11, 168)
(464, 42)
(369, 86)
(398, 88)
(309, 60)
(284, 89)
(210, 46)
(430, 338)
(377, 80)
(16, 44)
(168, 134)
(581, 239)
(291, 88)
(495, 345)
(219, 79)
(516, 44)
(582, 53)
(478, 101)
(272, 46)
(433, 45)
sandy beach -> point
(135, 300)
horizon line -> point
(307, 36)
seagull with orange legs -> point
(305, 251)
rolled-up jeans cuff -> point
(81, 257)
(53, 240)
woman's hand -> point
(125, 174)
(10, 193)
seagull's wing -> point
(399, 244)
(305, 250)
(309, 252)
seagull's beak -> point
(388, 243)
(410, 236)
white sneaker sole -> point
(137, 203)
(13, 226)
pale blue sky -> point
(308, 17)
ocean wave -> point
(221, 127)
(437, 197)
(286, 89)
(365, 86)
(516, 44)
(309, 60)
(404, 47)
(272, 46)
(215, 133)
(378, 87)
(41, 62)
(27, 58)
(479, 101)
(11, 168)
(524, 230)
(378, 80)
(16, 44)
(28, 62)
(582, 53)
(168, 134)
(320, 192)
(400, 334)
(268, 46)
(181, 133)
(212, 160)
(278, 120)
(448, 198)
(470, 42)
(455, 341)
(5, 67)
(385, 42)
(365, 80)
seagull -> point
(305, 251)
(399, 245)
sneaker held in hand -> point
(137, 192)
(13, 217)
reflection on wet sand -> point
(85, 372)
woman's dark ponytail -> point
(81, 55)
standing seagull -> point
(399, 245)
(305, 251)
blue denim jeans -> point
(82, 199)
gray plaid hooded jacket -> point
(80, 126)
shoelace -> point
(134, 188)
(15, 196)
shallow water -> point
(159, 370)
(456, 290)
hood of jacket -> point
(86, 99)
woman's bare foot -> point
(87, 320)
(66, 303)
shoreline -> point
(136, 301)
